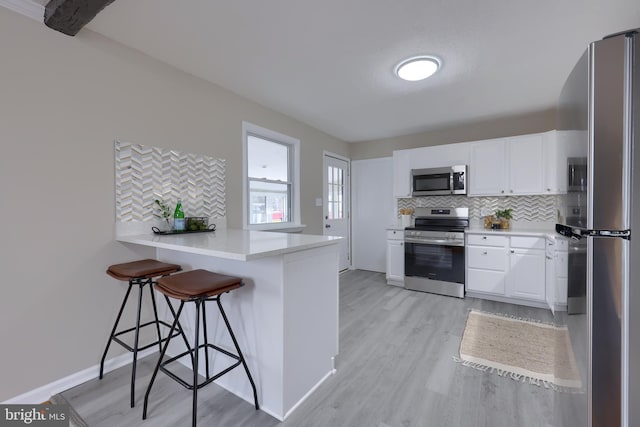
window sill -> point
(280, 228)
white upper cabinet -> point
(555, 165)
(439, 156)
(519, 165)
(401, 174)
(526, 164)
(422, 158)
(508, 166)
(488, 168)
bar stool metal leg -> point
(115, 327)
(235, 343)
(196, 349)
(135, 346)
(206, 340)
(155, 316)
(162, 353)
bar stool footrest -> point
(152, 322)
(210, 379)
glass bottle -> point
(178, 217)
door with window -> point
(336, 204)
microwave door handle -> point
(451, 182)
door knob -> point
(327, 226)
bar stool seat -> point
(140, 273)
(198, 286)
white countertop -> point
(242, 245)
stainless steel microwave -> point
(439, 181)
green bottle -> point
(178, 217)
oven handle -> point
(439, 242)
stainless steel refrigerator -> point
(599, 112)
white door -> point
(336, 190)
(373, 209)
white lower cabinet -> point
(526, 274)
(556, 264)
(507, 268)
(395, 257)
(487, 263)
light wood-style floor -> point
(395, 369)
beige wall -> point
(63, 101)
(541, 121)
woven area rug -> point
(523, 350)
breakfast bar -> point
(285, 317)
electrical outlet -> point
(485, 211)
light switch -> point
(319, 201)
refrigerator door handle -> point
(578, 233)
(624, 234)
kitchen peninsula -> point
(285, 317)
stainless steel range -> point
(434, 251)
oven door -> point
(435, 266)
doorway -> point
(336, 207)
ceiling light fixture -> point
(417, 68)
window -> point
(335, 190)
(271, 191)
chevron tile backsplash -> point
(144, 174)
(525, 208)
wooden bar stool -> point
(140, 273)
(198, 286)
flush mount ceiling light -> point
(417, 68)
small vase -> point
(405, 220)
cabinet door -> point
(550, 282)
(526, 277)
(486, 281)
(526, 165)
(487, 168)
(554, 147)
(401, 174)
(439, 156)
(395, 261)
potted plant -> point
(505, 216)
(163, 212)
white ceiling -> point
(330, 63)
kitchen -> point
(68, 99)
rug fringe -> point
(517, 377)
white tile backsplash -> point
(144, 174)
(534, 209)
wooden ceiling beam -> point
(69, 16)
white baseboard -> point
(44, 393)
(309, 393)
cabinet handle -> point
(402, 244)
(512, 251)
(484, 253)
(484, 237)
(549, 257)
(502, 191)
(548, 189)
(511, 191)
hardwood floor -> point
(395, 368)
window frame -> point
(249, 129)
